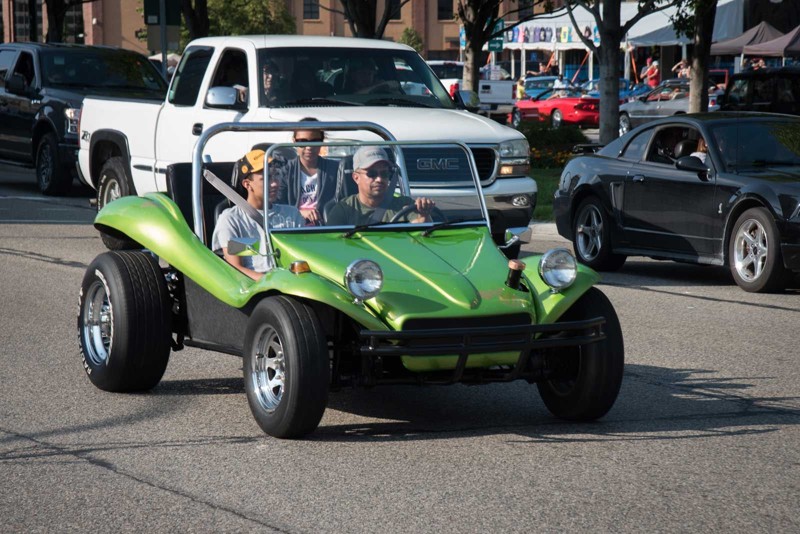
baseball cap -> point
(367, 156)
(252, 162)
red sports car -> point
(559, 107)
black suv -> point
(772, 90)
(41, 90)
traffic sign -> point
(496, 43)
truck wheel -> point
(754, 253)
(124, 322)
(286, 369)
(51, 177)
(588, 378)
(113, 184)
(591, 237)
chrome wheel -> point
(110, 193)
(624, 124)
(516, 119)
(556, 118)
(98, 324)
(589, 233)
(750, 249)
(268, 369)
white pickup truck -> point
(496, 90)
(126, 145)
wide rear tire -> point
(286, 367)
(124, 322)
(588, 378)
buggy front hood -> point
(451, 273)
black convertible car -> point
(719, 188)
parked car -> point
(558, 107)
(671, 97)
(496, 90)
(775, 90)
(535, 85)
(592, 88)
(126, 145)
(649, 193)
(719, 78)
(42, 87)
(382, 303)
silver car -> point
(669, 98)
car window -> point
(668, 144)
(635, 149)
(188, 76)
(787, 90)
(24, 67)
(101, 68)
(763, 90)
(6, 57)
(753, 144)
(738, 92)
(448, 70)
(231, 70)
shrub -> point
(551, 147)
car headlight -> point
(558, 268)
(515, 158)
(363, 279)
(73, 119)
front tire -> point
(286, 367)
(754, 253)
(114, 184)
(591, 237)
(588, 378)
(624, 123)
(124, 322)
(556, 118)
(51, 177)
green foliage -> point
(550, 147)
(413, 39)
(248, 17)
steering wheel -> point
(436, 213)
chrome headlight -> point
(73, 119)
(518, 148)
(363, 279)
(558, 268)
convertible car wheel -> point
(286, 367)
(124, 322)
(754, 253)
(624, 123)
(586, 379)
(556, 119)
(113, 184)
(591, 237)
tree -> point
(56, 13)
(607, 17)
(479, 18)
(195, 15)
(413, 39)
(362, 16)
(247, 17)
(696, 18)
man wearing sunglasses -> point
(372, 173)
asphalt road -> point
(704, 435)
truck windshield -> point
(348, 76)
(106, 69)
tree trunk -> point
(610, 38)
(704, 17)
(55, 22)
(196, 17)
(472, 53)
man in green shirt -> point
(372, 172)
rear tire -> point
(591, 237)
(51, 177)
(286, 367)
(590, 376)
(624, 123)
(124, 322)
(114, 184)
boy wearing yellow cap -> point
(235, 222)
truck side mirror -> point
(469, 100)
(224, 98)
(16, 85)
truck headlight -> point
(514, 157)
(558, 268)
(363, 279)
(73, 120)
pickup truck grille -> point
(440, 166)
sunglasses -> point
(299, 140)
(372, 174)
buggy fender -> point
(550, 305)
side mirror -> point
(691, 164)
(517, 234)
(16, 85)
(720, 99)
(469, 99)
(223, 98)
(244, 246)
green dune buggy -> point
(390, 302)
